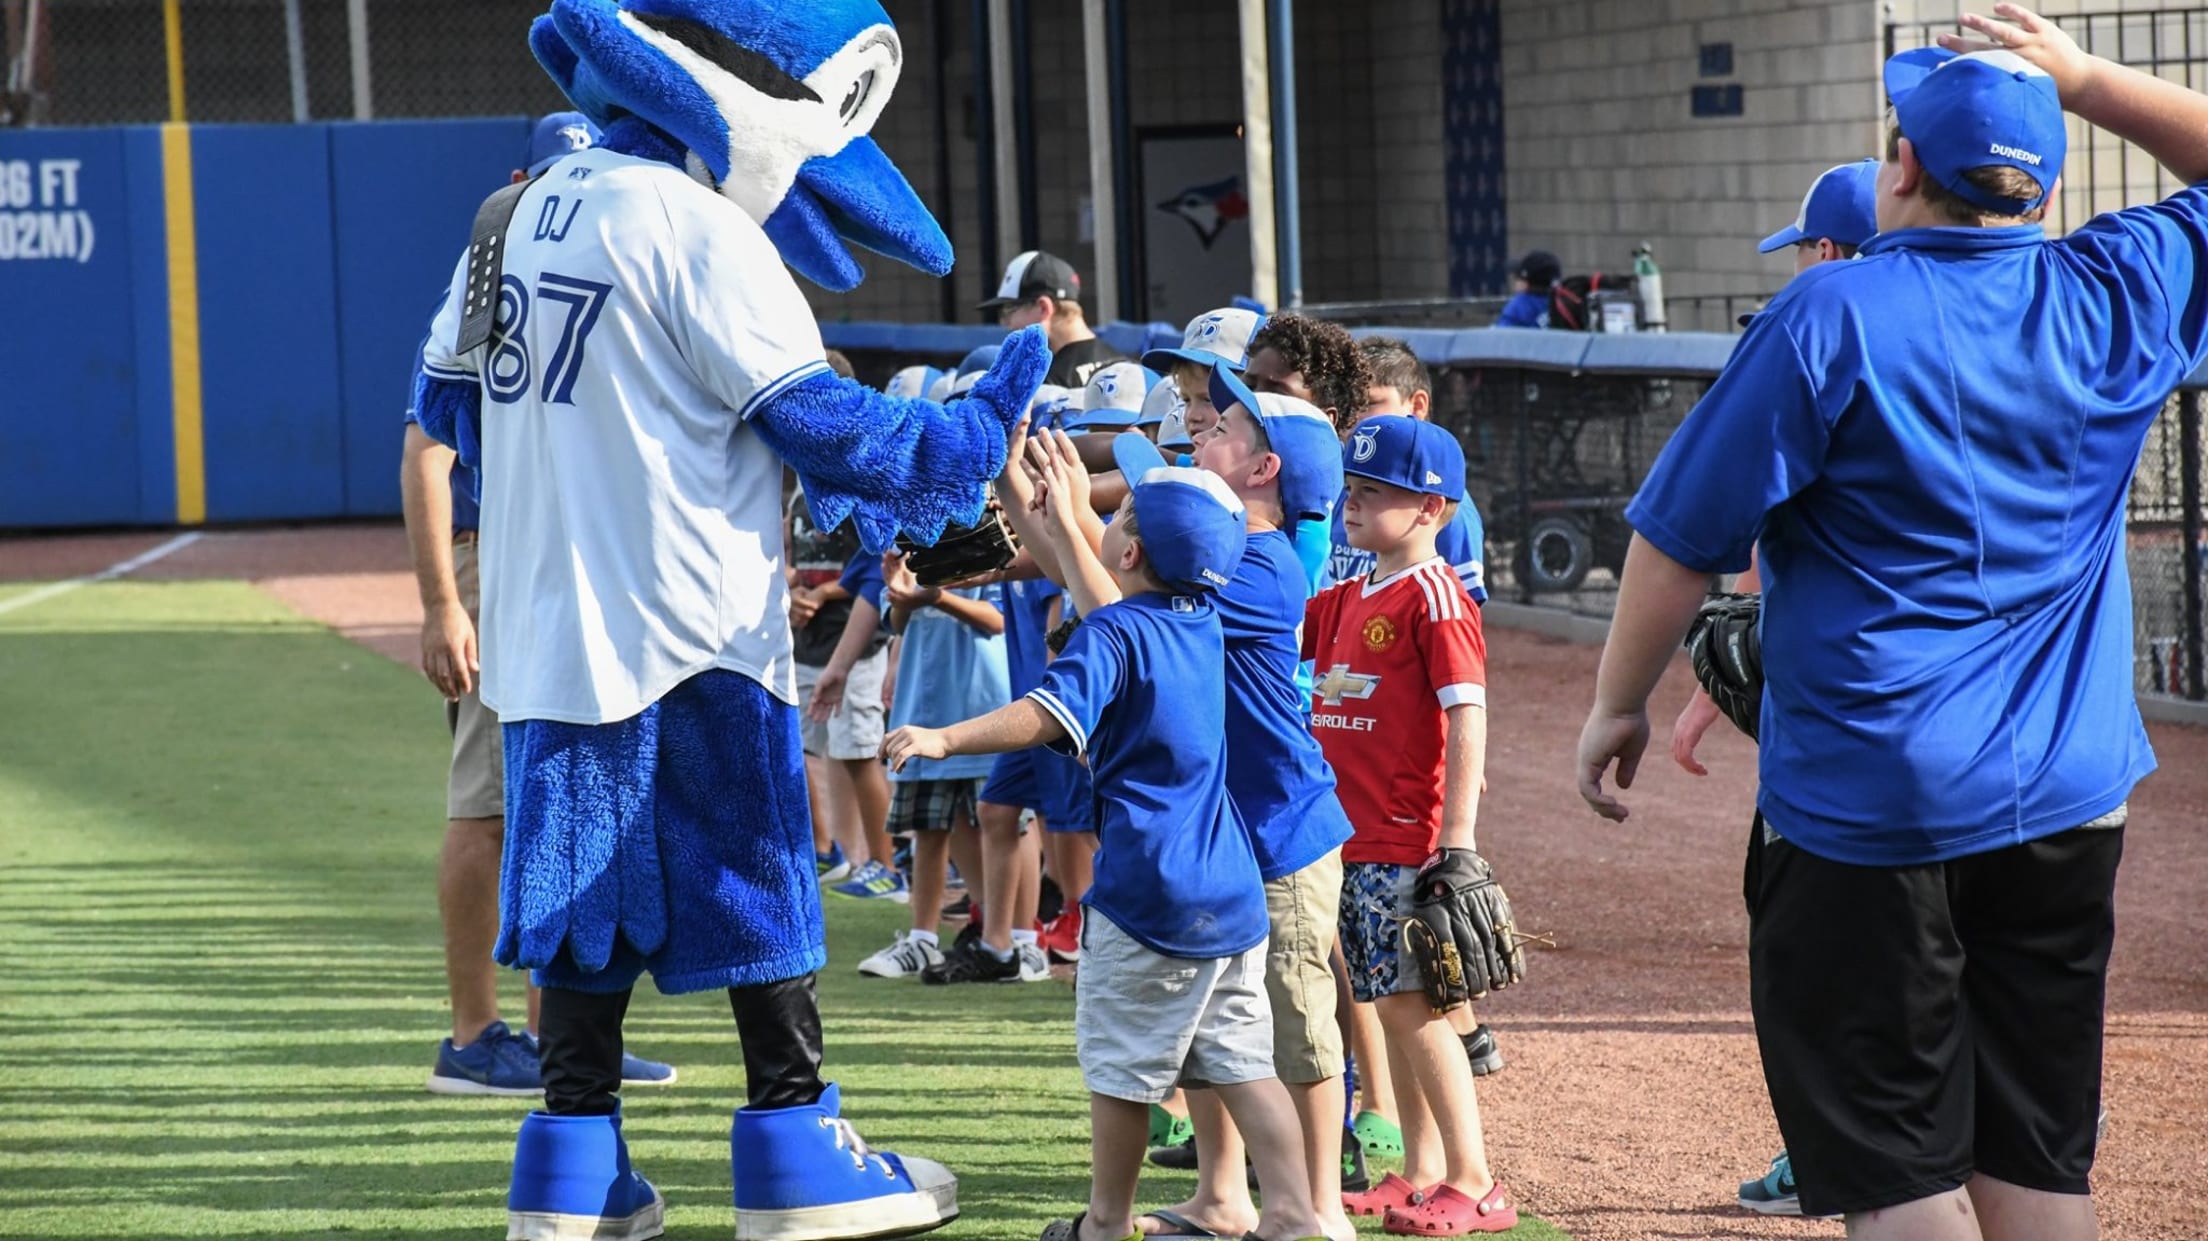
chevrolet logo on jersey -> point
(1340, 683)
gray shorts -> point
(855, 730)
(1144, 1022)
(475, 788)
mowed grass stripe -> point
(217, 901)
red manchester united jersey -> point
(1389, 657)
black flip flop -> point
(1179, 1227)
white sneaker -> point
(1034, 965)
(904, 958)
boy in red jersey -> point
(1399, 706)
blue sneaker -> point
(498, 1062)
(635, 1069)
(832, 866)
(1773, 1193)
(874, 881)
(572, 1182)
(803, 1174)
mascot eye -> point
(857, 98)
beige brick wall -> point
(1603, 151)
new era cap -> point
(1049, 406)
(940, 390)
(1191, 525)
(980, 358)
(1114, 396)
(1213, 336)
(1033, 274)
(1173, 432)
(1975, 111)
(913, 381)
(1163, 402)
(557, 134)
(1842, 205)
(1405, 452)
(1302, 437)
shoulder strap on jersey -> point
(486, 262)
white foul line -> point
(132, 565)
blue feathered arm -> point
(892, 463)
(452, 414)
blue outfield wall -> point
(264, 374)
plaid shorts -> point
(931, 805)
(1376, 898)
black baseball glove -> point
(1461, 931)
(963, 551)
(1057, 638)
(1728, 657)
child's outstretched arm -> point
(1015, 726)
(1071, 527)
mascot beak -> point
(855, 196)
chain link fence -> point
(107, 62)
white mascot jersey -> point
(642, 319)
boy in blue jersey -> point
(1949, 733)
(1280, 457)
(950, 667)
(1529, 300)
(1172, 974)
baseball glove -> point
(1727, 652)
(1461, 931)
(963, 551)
(1057, 638)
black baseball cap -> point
(1033, 274)
(1539, 267)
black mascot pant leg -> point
(579, 1034)
(779, 1026)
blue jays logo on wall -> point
(1363, 444)
(1209, 208)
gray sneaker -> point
(905, 957)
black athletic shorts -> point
(1922, 1023)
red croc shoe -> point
(1392, 1192)
(1447, 1211)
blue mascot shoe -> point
(572, 1182)
(803, 1174)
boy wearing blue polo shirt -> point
(1949, 733)
(1173, 965)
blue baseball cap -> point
(1049, 406)
(1192, 526)
(981, 358)
(1221, 336)
(1842, 205)
(1302, 437)
(1114, 396)
(912, 382)
(558, 134)
(1405, 452)
(1163, 402)
(1987, 108)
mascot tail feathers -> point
(895, 464)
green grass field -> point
(218, 833)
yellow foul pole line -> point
(172, 23)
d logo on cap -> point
(1363, 444)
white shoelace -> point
(848, 1139)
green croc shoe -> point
(1166, 1129)
(1381, 1137)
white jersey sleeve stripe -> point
(1450, 588)
(1074, 732)
(778, 386)
(1426, 588)
(1462, 696)
(447, 373)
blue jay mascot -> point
(627, 362)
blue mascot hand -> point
(1009, 387)
(892, 464)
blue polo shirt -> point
(947, 671)
(862, 578)
(1463, 543)
(1276, 772)
(1138, 692)
(1933, 444)
(1027, 629)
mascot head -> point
(772, 101)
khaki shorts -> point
(476, 787)
(855, 730)
(1305, 907)
(1144, 1022)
